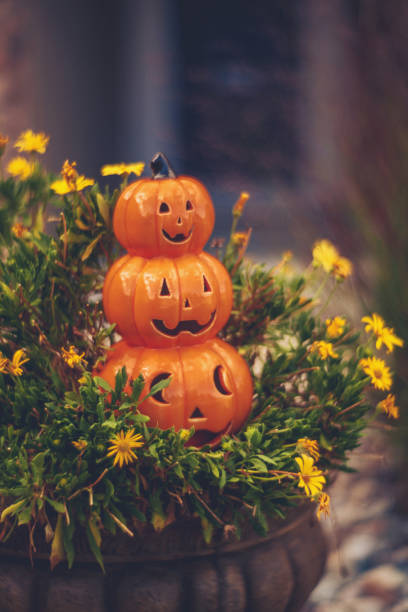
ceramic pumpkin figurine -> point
(163, 302)
(169, 300)
(210, 387)
(165, 215)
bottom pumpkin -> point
(174, 571)
(210, 387)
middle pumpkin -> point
(166, 302)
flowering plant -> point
(77, 454)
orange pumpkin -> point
(164, 302)
(165, 215)
(210, 387)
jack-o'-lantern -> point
(165, 215)
(166, 302)
(210, 387)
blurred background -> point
(304, 104)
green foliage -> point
(58, 419)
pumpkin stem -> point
(161, 168)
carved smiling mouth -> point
(190, 325)
(205, 436)
(178, 238)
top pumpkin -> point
(165, 215)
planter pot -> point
(174, 571)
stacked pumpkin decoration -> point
(169, 300)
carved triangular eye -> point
(220, 382)
(164, 288)
(207, 288)
(164, 208)
(189, 205)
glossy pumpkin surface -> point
(169, 216)
(210, 386)
(164, 302)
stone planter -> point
(174, 571)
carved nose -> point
(197, 414)
(187, 303)
(179, 221)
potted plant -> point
(131, 515)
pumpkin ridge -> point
(139, 279)
(107, 285)
(121, 214)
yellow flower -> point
(62, 187)
(184, 434)
(324, 254)
(239, 205)
(19, 230)
(122, 168)
(327, 256)
(14, 366)
(342, 268)
(388, 406)
(324, 505)
(389, 338)
(122, 445)
(239, 238)
(29, 141)
(385, 335)
(80, 445)
(69, 172)
(375, 324)
(71, 357)
(20, 166)
(335, 327)
(311, 479)
(3, 363)
(311, 447)
(325, 349)
(379, 373)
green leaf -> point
(103, 208)
(58, 506)
(12, 509)
(95, 548)
(88, 251)
(101, 382)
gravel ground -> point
(367, 569)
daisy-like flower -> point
(19, 358)
(122, 168)
(3, 363)
(69, 172)
(80, 445)
(389, 338)
(324, 505)
(311, 447)
(325, 349)
(385, 335)
(374, 323)
(21, 167)
(122, 445)
(311, 479)
(239, 238)
(335, 327)
(71, 357)
(342, 268)
(239, 205)
(324, 255)
(19, 230)
(30, 142)
(378, 371)
(62, 187)
(388, 406)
